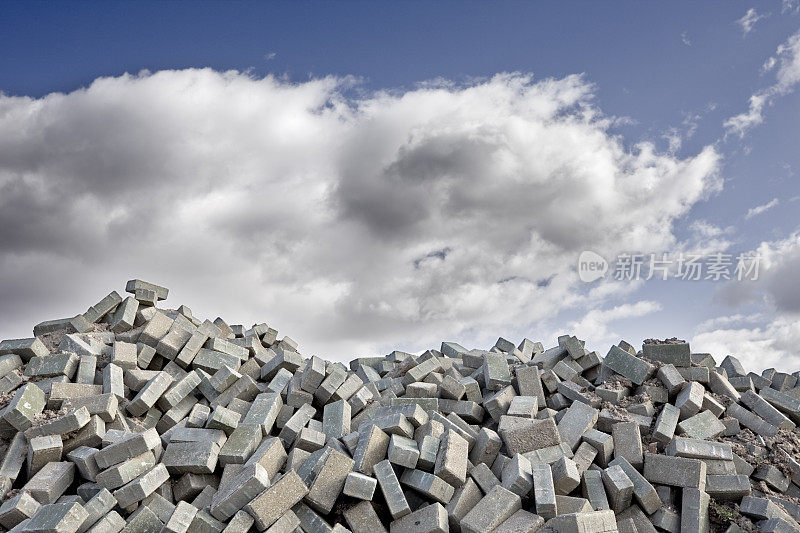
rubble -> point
(134, 417)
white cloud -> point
(787, 58)
(749, 20)
(757, 210)
(790, 6)
(770, 336)
(685, 38)
(354, 225)
(770, 345)
(594, 325)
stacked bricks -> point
(134, 417)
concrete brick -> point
(677, 354)
(43, 450)
(429, 519)
(699, 449)
(529, 383)
(593, 490)
(694, 511)
(645, 493)
(249, 483)
(628, 443)
(690, 399)
(359, 486)
(491, 511)
(565, 475)
(16, 509)
(627, 365)
(675, 471)
(594, 522)
(28, 402)
(49, 483)
(451, 460)
(619, 488)
(336, 419)
(391, 490)
(672, 379)
(751, 421)
(362, 518)
(544, 491)
(325, 473)
(371, 449)
(57, 518)
(191, 457)
(578, 418)
(528, 435)
(765, 410)
(141, 487)
(431, 486)
(24, 348)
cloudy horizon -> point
(357, 215)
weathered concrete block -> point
(627, 365)
(391, 490)
(676, 354)
(57, 518)
(628, 443)
(491, 511)
(619, 488)
(675, 471)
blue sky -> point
(669, 74)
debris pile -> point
(133, 417)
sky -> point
(370, 176)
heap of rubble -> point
(134, 418)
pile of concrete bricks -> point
(137, 418)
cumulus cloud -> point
(757, 210)
(749, 20)
(769, 336)
(787, 77)
(595, 325)
(771, 344)
(776, 286)
(352, 223)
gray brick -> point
(677, 354)
(645, 493)
(431, 486)
(25, 348)
(577, 419)
(544, 491)
(251, 481)
(359, 486)
(16, 509)
(391, 490)
(593, 490)
(491, 511)
(451, 460)
(362, 518)
(57, 518)
(675, 471)
(49, 483)
(694, 511)
(141, 487)
(727, 487)
(619, 488)
(371, 449)
(429, 519)
(628, 443)
(627, 365)
(28, 402)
